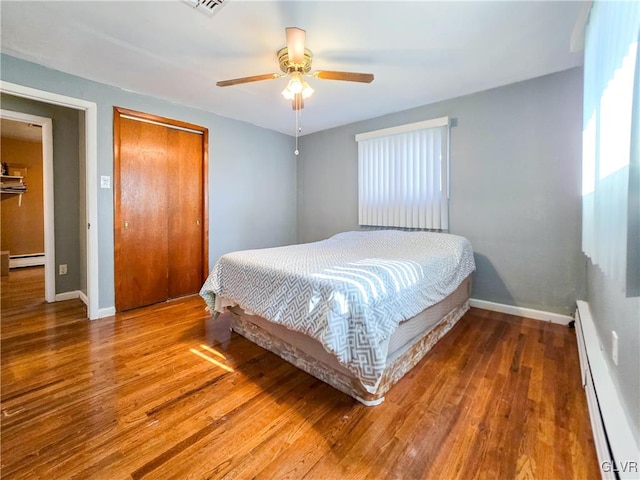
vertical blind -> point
(403, 175)
(610, 65)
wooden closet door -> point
(160, 180)
(186, 219)
(141, 254)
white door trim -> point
(47, 197)
(91, 155)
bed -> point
(357, 310)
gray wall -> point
(252, 171)
(515, 186)
(611, 310)
(65, 179)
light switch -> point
(105, 181)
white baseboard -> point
(84, 298)
(61, 297)
(615, 444)
(26, 261)
(103, 312)
(106, 312)
(521, 312)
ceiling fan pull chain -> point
(298, 129)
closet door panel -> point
(186, 222)
(141, 230)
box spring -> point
(407, 346)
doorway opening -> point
(89, 150)
(27, 196)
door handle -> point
(126, 224)
(198, 221)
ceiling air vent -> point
(210, 7)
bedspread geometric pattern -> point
(349, 292)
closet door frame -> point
(118, 113)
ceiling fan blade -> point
(254, 78)
(345, 76)
(295, 44)
(298, 102)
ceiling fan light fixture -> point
(286, 93)
(307, 91)
(295, 85)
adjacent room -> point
(320, 239)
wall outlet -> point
(62, 269)
(614, 347)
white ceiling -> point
(419, 51)
(20, 130)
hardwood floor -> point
(167, 392)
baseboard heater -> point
(617, 450)
(30, 260)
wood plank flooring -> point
(167, 392)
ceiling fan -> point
(295, 62)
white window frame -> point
(438, 222)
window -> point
(403, 176)
(610, 64)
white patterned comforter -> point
(349, 292)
